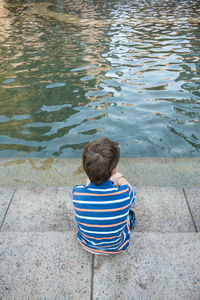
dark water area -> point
(75, 71)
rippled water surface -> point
(75, 71)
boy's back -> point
(102, 207)
(101, 213)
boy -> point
(102, 207)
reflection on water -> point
(73, 71)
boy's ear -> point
(115, 170)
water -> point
(75, 71)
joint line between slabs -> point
(92, 278)
(193, 221)
(7, 209)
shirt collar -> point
(105, 184)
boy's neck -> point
(106, 183)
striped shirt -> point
(101, 213)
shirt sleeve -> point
(72, 192)
(132, 197)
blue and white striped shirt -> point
(101, 213)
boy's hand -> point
(116, 177)
(87, 181)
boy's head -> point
(99, 159)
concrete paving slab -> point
(193, 198)
(43, 266)
(40, 209)
(162, 210)
(5, 198)
(156, 266)
(50, 209)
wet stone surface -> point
(68, 172)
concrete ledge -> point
(68, 172)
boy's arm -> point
(118, 179)
(87, 181)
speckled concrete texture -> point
(46, 265)
(5, 198)
(162, 209)
(50, 209)
(40, 257)
(68, 172)
(40, 209)
(156, 266)
(193, 198)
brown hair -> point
(99, 159)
